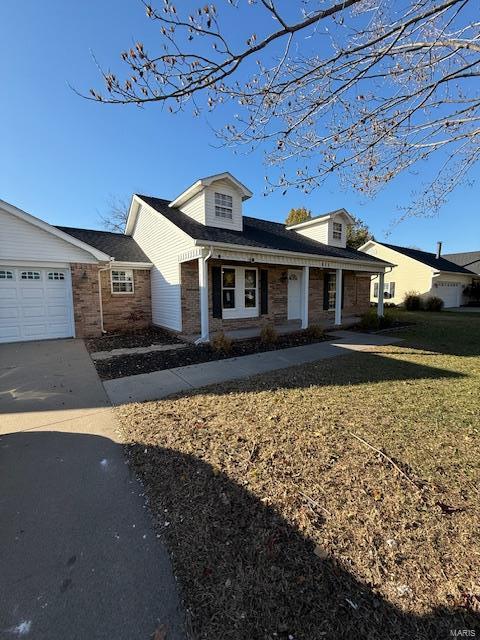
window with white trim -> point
(56, 275)
(30, 275)
(122, 281)
(6, 275)
(389, 290)
(239, 292)
(223, 206)
(337, 231)
(375, 289)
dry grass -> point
(282, 524)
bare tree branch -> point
(364, 88)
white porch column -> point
(305, 287)
(338, 297)
(203, 285)
(381, 290)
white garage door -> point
(35, 304)
(449, 292)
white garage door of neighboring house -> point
(35, 304)
(449, 292)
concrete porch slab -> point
(159, 384)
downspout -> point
(100, 292)
(203, 338)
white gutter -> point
(100, 292)
(203, 282)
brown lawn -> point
(282, 524)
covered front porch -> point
(238, 293)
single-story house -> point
(194, 265)
(428, 274)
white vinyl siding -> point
(195, 207)
(224, 187)
(411, 275)
(162, 242)
(323, 231)
(318, 232)
(22, 241)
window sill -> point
(233, 314)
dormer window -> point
(223, 206)
(337, 231)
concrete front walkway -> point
(79, 557)
(159, 384)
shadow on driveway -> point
(78, 554)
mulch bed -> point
(396, 324)
(143, 338)
(122, 366)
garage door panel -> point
(449, 292)
(56, 296)
(8, 293)
(34, 330)
(35, 309)
(60, 330)
(57, 311)
(9, 313)
(32, 293)
(9, 333)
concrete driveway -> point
(78, 554)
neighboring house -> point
(469, 260)
(193, 265)
(429, 274)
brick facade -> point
(86, 302)
(356, 297)
(120, 311)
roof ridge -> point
(399, 246)
(113, 233)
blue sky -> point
(62, 158)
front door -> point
(294, 294)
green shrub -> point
(315, 332)
(268, 335)
(221, 343)
(370, 321)
(472, 291)
(412, 301)
(433, 304)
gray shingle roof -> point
(430, 259)
(468, 259)
(117, 245)
(261, 234)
